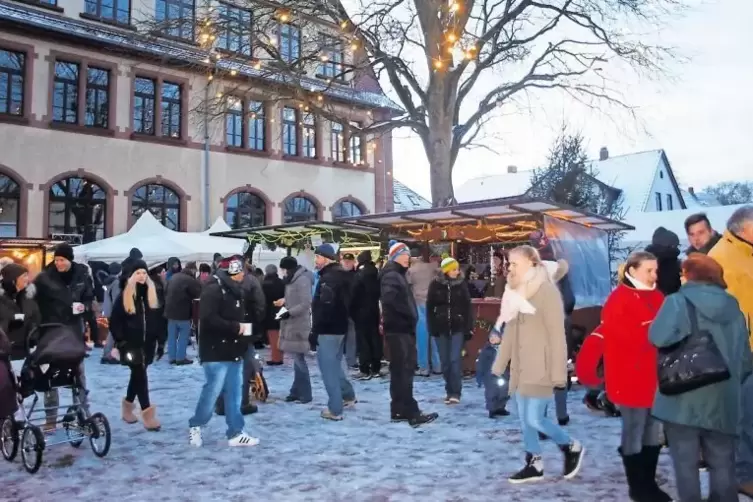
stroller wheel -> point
(73, 423)
(32, 448)
(9, 438)
(99, 434)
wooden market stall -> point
(34, 254)
(473, 232)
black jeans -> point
(402, 348)
(138, 386)
(370, 348)
(451, 355)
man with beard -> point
(364, 311)
(222, 348)
(400, 315)
(63, 289)
(700, 234)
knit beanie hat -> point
(448, 265)
(397, 249)
(137, 265)
(64, 250)
(12, 272)
(232, 265)
(288, 263)
(327, 251)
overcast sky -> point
(703, 118)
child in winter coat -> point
(496, 389)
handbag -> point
(692, 363)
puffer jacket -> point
(448, 307)
(735, 255)
(19, 315)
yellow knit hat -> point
(449, 264)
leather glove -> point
(160, 351)
(313, 340)
(285, 315)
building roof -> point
(127, 40)
(698, 200)
(633, 174)
(406, 199)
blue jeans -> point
(532, 416)
(450, 352)
(329, 355)
(221, 378)
(178, 333)
(423, 350)
(301, 388)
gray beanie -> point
(270, 269)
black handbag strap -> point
(693, 315)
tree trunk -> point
(438, 145)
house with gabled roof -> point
(645, 180)
(405, 199)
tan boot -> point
(746, 489)
(127, 412)
(149, 417)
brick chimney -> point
(603, 153)
(512, 169)
(692, 192)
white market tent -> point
(158, 244)
(646, 223)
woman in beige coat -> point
(534, 345)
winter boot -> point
(649, 462)
(248, 409)
(127, 412)
(422, 419)
(636, 487)
(573, 453)
(149, 417)
(532, 471)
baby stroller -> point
(54, 353)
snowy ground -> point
(464, 456)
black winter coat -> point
(329, 306)
(18, 330)
(181, 290)
(274, 289)
(138, 334)
(399, 313)
(222, 309)
(256, 304)
(668, 275)
(448, 307)
(57, 292)
(364, 295)
(160, 322)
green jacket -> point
(714, 407)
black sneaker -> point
(573, 458)
(184, 362)
(249, 409)
(423, 419)
(274, 363)
(291, 399)
(703, 466)
(564, 421)
(499, 413)
(543, 437)
(397, 417)
(591, 400)
(364, 376)
(533, 471)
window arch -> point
(10, 202)
(77, 206)
(346, 209)
(299, 209)
(160, 200)
(245, 209)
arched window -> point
(77, 206)
(345, 209)
(161, 201)
(299, 209)
(10, 198)
(244, 210)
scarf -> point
(638, 284)
(516, 300)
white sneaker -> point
(194, 437)
(243, 439)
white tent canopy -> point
(158, 244)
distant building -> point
(406, 199)
(698, 200)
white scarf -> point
(638, 284)
(515, 300)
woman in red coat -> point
(630, 362)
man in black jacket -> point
(274, 289)
(63, 289)
(399, 316)
(222, 348)
(181, 290)
(329, 314)
(348, 263)
(364, 311)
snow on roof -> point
(495, 186)
(109, 36)
(699, 199)
(646, 222)
(406, 199)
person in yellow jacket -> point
(734, 252)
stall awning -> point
(496, 210)
(28, 242)
(289, 234)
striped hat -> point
(397, 249)
(449, 264)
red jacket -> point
(629, 358)
(589, 359)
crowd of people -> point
(349, 308)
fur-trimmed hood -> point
(557, 269)
(30, 291)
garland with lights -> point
(300, 239)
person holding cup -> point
(64, 288)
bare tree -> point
(732, 192)
(453, 65)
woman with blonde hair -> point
(534, 345)
(135, 326)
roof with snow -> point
(633, 174)
(406, 199)
(124, 39)
(646, 222)
(698, 200)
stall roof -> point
(370, 231)
(489, 210)
(21, 242)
